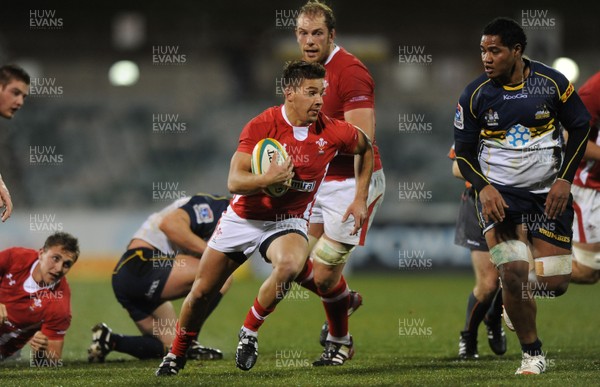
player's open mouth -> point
(311, 53)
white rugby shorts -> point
(234, 234)
(586, 225)
(333, 199)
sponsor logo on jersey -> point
(567, 93)
(491, 118)
(459, 120)
(514, 96)
(304, 186)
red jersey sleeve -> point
(57, 318)
(348, 136)
(5, 261)
(256, 130)
(590, 95)
(358, 89)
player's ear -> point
(518, 49)
(288, 91)
(332, 34)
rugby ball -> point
(262, 154)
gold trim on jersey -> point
(474, 170)
(584, 141)
(140, 254)
(212, 196)
(535, 131)
(473, 96)
(520, 86)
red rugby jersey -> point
(311, 148)
(349, 86)
(588, 173)
(30, 307)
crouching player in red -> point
(276, 226)
(35, 299)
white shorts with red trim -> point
(586, 225)
(234, 234)
(333, 200)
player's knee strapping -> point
(553, 265)
(330, 252)
(312, 241)
(587, 258)
(509, 251)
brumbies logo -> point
(491, 117)
(459, 120)
(542, 112)
(321, 144)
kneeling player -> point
(35, 299)
(160, 265)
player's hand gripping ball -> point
(262, 154)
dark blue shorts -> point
(468, 232)
(527, 209)
(138, 280)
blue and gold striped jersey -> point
(518, 128)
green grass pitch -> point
(406, 333)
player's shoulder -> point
(266, 116)
(330, 123)
(476, 85)
(591, 85)
(542, 70)
(346, 62)
(202, 197)
(21, 256)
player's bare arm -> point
(363, 170)
(456, 170)
(46, 349)
(3, 314)
(55, 348)
(592, 151)
(364, 118)
(176, 226)
(5, 201)
(243, 182)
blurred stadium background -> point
(95, 159)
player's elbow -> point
(166, 225)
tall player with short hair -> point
(160, 266)
(275, 226)
(350, 97)
(507, 135)
(586, 194)
(14, 88)
(35, 298)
